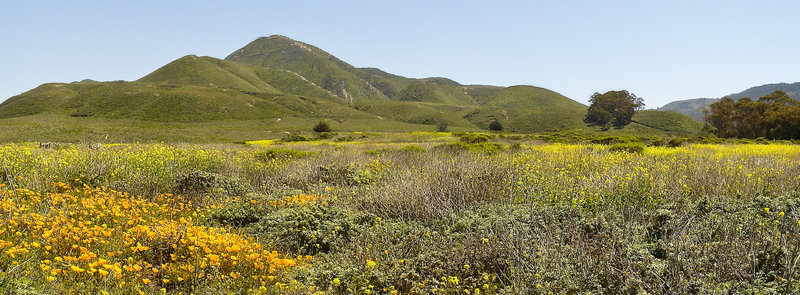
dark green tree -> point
(613, 108)
(748, 118)
(442, 125)
(781, 118)
(720, 115)
(495, 126)
(774, 116)
(322, 127)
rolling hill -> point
(690, 107)
(190, 89)
(319, 67)
(276, 78)
(792, 89)
(694, 107)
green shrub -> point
(346, 175)
(295, 138)
(441, 126)
(240, 213)
(409, 258)
(270, 154)
(344, 138)
(80, 178)
(14, 284)
(413, 148)
(656, 141)
(634, 147)
(325, 135)
(614, 139)
(201, 182)
(495, 126)
(676, 142)
(322, 126)
(474, 137)
(311, 229)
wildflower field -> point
(431, 217)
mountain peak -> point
(312, 63)
(276, 36)
(272, 45)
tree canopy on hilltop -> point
(613, 108)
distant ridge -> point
(791, 89)
(690, 107)
(694, 107)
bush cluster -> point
(197, 183)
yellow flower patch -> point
(106, 239)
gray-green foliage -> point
(309, 230)
(201, 182)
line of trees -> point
(775, 116)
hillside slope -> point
(668, 121)
(694, 107)
(530, 109)
(166, 103)
(791, 89)
(690, 107)
(220, 74)
(316, 65)
(209, 72)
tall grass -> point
(534, 219)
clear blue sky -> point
(659, 50)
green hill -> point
(522, 109)
(694, 107)
(319, 67)
(791, 89)
(221, 74)
(437, 90)
(531, 109)
(189, 89)
(209, 72)
(668, 121)
(167, 103)
(277, 79)
(398, 82)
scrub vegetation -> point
(413, 213)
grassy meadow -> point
(410, 213)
